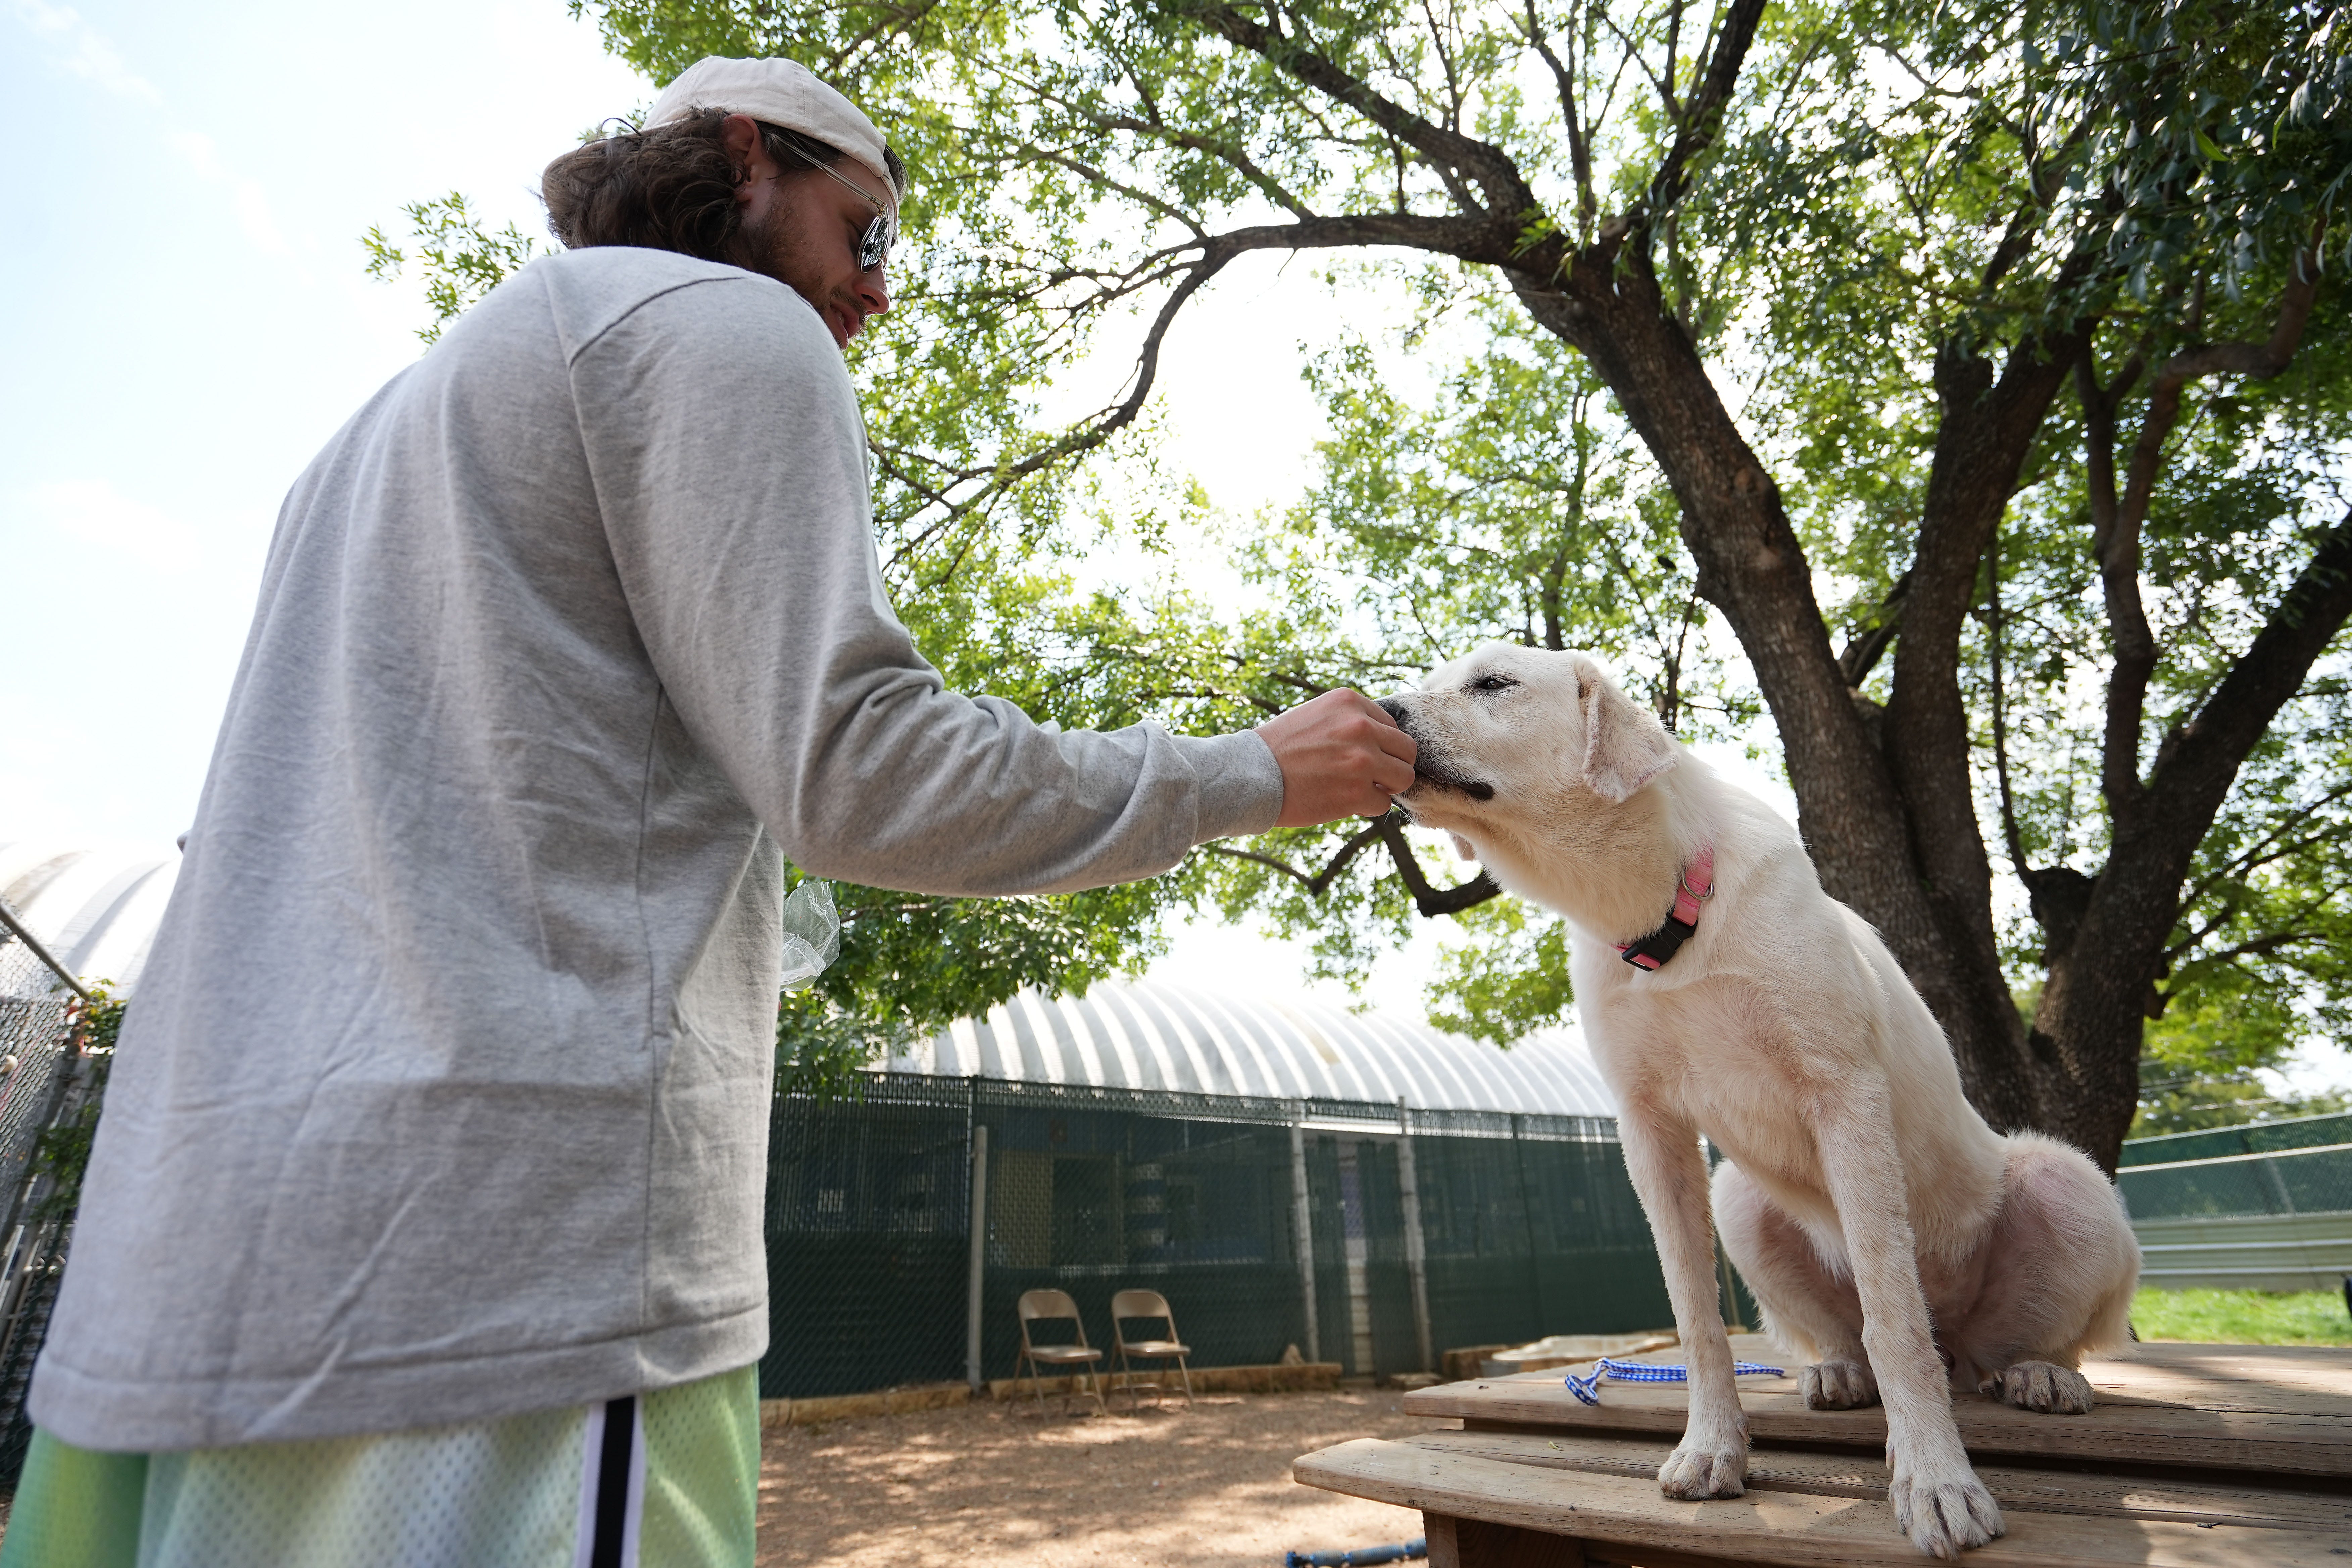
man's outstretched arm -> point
(730, 465)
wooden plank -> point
(2254, 1408)
(1475, 1543)
(1625, 1555)
(1626, 1518)
(2089, 1494)
(2286, 1379)
(2116, 1432)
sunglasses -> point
(874, 245)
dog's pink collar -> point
(1682, 921)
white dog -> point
(1889, 1236)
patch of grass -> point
(2243, 1317)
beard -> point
(774, 246)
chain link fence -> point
(2276, 1219)
(868, 1220)
(2293, 1181)
(2258, 1138)
(1370, 1235)
(37, 1079)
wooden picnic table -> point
(2195, 1455)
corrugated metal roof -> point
(1149, 1034)
(95, 908)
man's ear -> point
(746, 153)
(1624, 745)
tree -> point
(2027, 304)
(1953, 261)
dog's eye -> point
(1493, 683)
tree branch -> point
(2118, 564)
(2117, 524)
(1701, 119)
(1868, 646)
(1430, 902)
(2010, 835)
(1479, 239)
(1135, 193)
(1579, 146)
(2197, 762)
(2272, 846)
(1318, 884)
(1444, 149)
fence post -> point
(1416, 1255)
(979, 1255)
(1527, 1218)
(24, 933)
(1303, 1222)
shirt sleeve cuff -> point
(1240, 784)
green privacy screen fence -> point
(1366, 1234)
(2256, 1138)
(2289, 1182)
(2263, 1207)
(2300, 1166)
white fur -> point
(1874, 1214)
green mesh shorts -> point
(666, 1479)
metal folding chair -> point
(1047, 1306)
(1125, 1352)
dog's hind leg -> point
(2058, 1270)
(1662, 1156)
(1807, 1306)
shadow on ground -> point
(984, 1485)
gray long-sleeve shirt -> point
(446, 1093)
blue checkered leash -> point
(1588, 1389)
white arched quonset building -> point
(95, 908)
(91, 912)
(1143, 1034)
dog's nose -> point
(1392, 707)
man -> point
(423, 1223)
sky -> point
(189, 322)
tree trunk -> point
(1985, 430)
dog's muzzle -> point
(1425, 771)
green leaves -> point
(456, 258)
(909, 966)
(1509, 980)
(61, 1150)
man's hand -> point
(1341, 756)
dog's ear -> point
(1464, 847)
(1624, 745)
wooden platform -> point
(2195, 1455)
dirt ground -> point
(981, 1485)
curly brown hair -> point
(669, 187)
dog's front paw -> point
(1697, 1470)
(1839, 1385)
(1943, 1510)
(2040, 1385)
